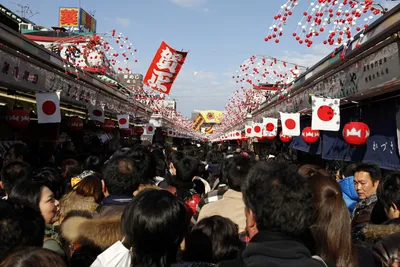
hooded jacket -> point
(274, 250)
(112, 206)
(350, 195)
(72, 202)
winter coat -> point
(72, 201)
(112, 206)
(349, 194)
(274, 250)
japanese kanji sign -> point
(165, 68)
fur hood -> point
(101, 233)
(73, 201)
(375, 233)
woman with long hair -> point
(331, 229)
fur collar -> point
(374, 232)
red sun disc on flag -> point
(237, 134)
(248, 130)
(97, 113)
(290, 124)
(325, 113)
(150, 128)
(122, 121)
(270, 127)
(257, 129)
(170, 132)
(49, 108)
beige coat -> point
(231, 206)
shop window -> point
(366, 79)
(380, 62)
(369, 78)
(384, 60)
(378, 74)
(387, 71)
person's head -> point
(277, 199)
(309, 170)
(21, 225)
(33, 257)
(174, 158)
(161, 165)
(185, 168)
(39, 196)
(92, 163)
(389, 195)
(17, 152)
(144, 164)
(153, 225)
(213, 239)
(49, 177)
(90, 186)
(14, 172)
(70, 168)
(237, 170)
(348, 170)
(118, 177)
(331, 228)
(366, 180)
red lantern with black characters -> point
(75, 124)
(356, 133)
(108, 126)
(18, 118)
(138, 131)
(285, 138)
(126, 131)
(310, 136)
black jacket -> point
(268, 249)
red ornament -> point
(18, 118)
(285, 138)
(309, 135)
(108, 125)
(126, 131)
(75, 124)
(138, 131)
(356, 133)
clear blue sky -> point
(220, 35)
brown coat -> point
(72, 201)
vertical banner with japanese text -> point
(164, 68)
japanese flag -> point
(48, 107)
(171, 133)
(237, 135)
(150, 129)
(290, 124)
(123, 121)
(325, 114)
(270, 126)
(255, 130)
(96, 113)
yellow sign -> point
(211, 116)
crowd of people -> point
(195, 206)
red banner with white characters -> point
(164, 68)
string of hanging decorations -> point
(335, 22)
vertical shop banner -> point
(164, 68)
(325, 114)
(290, 124)
(96, 113)
(48, 107)
(123, 121)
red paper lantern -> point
(285, 138)
(127, 131)
(75, 124)
(138, 131)
(108, 125)
(18, 118)
(309, 135)
(356, 133)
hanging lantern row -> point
(336, 22)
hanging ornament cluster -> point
(267, 73)
(18, 118)
(335, 21)
(100, 53)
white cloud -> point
(189, 3)
(123, 22)
(317, 53)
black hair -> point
(27, 192)
(213, 239)
(237, 170)
(33, 257)
(187, 168)
(389, 190)
(348, 170)
(153, 225)
(92, 163)
(373, 170)
(279, 198)
(19, 151)
(161, 165)
(21, 225)
(49, 177)
(119, 178)
(14, 172)
(144, 164)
